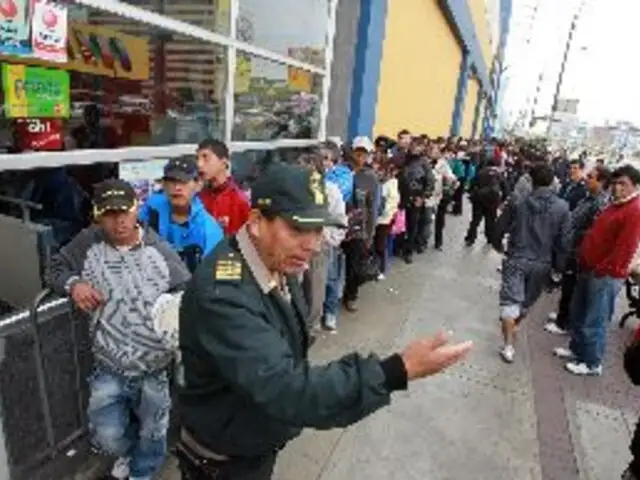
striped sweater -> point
(125, 337)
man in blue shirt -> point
(179, 216)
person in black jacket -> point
(416, 183)
(574, 189)
(248, 385)
(487, 192)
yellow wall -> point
(469, 111)
(419, 72)
(478, 15)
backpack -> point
(488, 185)
(414, 179)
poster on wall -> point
(35, 91)
(49, 31)
(39, 134)
(144, 176)
(14, 27)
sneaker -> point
(563, 352)
(120, 469)
(552, 327)
(350, 306)
(553, 316)
(331, 324)
(381, 277)
(508, 353)
(582, 369)
(628, 475)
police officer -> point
(249, 387)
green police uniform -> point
(249, 387)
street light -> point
(565, 57)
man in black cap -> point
(249, 388)
(120, 274)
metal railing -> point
(31, 322)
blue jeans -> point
(592, 308)
(335, 280)
(129, 417)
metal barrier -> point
(32, 322)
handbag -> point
(399, 224)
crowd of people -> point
(232, 286)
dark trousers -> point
(482, 211)
(458, 196)
(569, 280)
(355, 252)
(415, 217)
(426, 227)
(440, 221)
(381, 244)
(634, 466)
(194, 467)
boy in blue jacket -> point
(179, 216)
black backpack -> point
(487, 185)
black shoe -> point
(350, 306)
(420, 250)
(468, 243)
(408, 259)
(438, 247)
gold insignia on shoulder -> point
(315, 185)
(228, 270)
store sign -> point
(49, 31)
(39, 134)
(35, 92)
(300, 80)
(100, 51)
(14, 27)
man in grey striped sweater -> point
(121, 274)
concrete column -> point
(366, 69)
(461, 94)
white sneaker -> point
(553, 316)
(120, 468)
(508, 353)
(381, 277)
(583, 369)
(563, 352)
(331, 324)
(552, 327)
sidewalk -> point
(482, 419)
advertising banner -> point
(39, 134)
(49, 31)
(14, 27)
(35, 92)
(243, 74)
(144, 176)
(300, 80)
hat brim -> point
(314, 218)
(115, 205)
(179, 176)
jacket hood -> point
(540, 200)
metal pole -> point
(563, 65)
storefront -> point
(148, 79)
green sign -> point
(35, 92)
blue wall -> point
(366, 71)
(461, 94)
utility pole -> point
(563, 65)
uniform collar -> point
(266, 280)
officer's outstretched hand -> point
(423, 358)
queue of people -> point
(235, 288)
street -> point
(482, 419)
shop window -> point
(246, 165)
(296, 28)
(112, 83)
(210, 14)
(273, 100)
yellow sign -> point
(243, 74)
(99, 51)
(13, 76)
(300, 80)
(228, 270)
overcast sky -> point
(604, 76)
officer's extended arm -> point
(257, 361)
